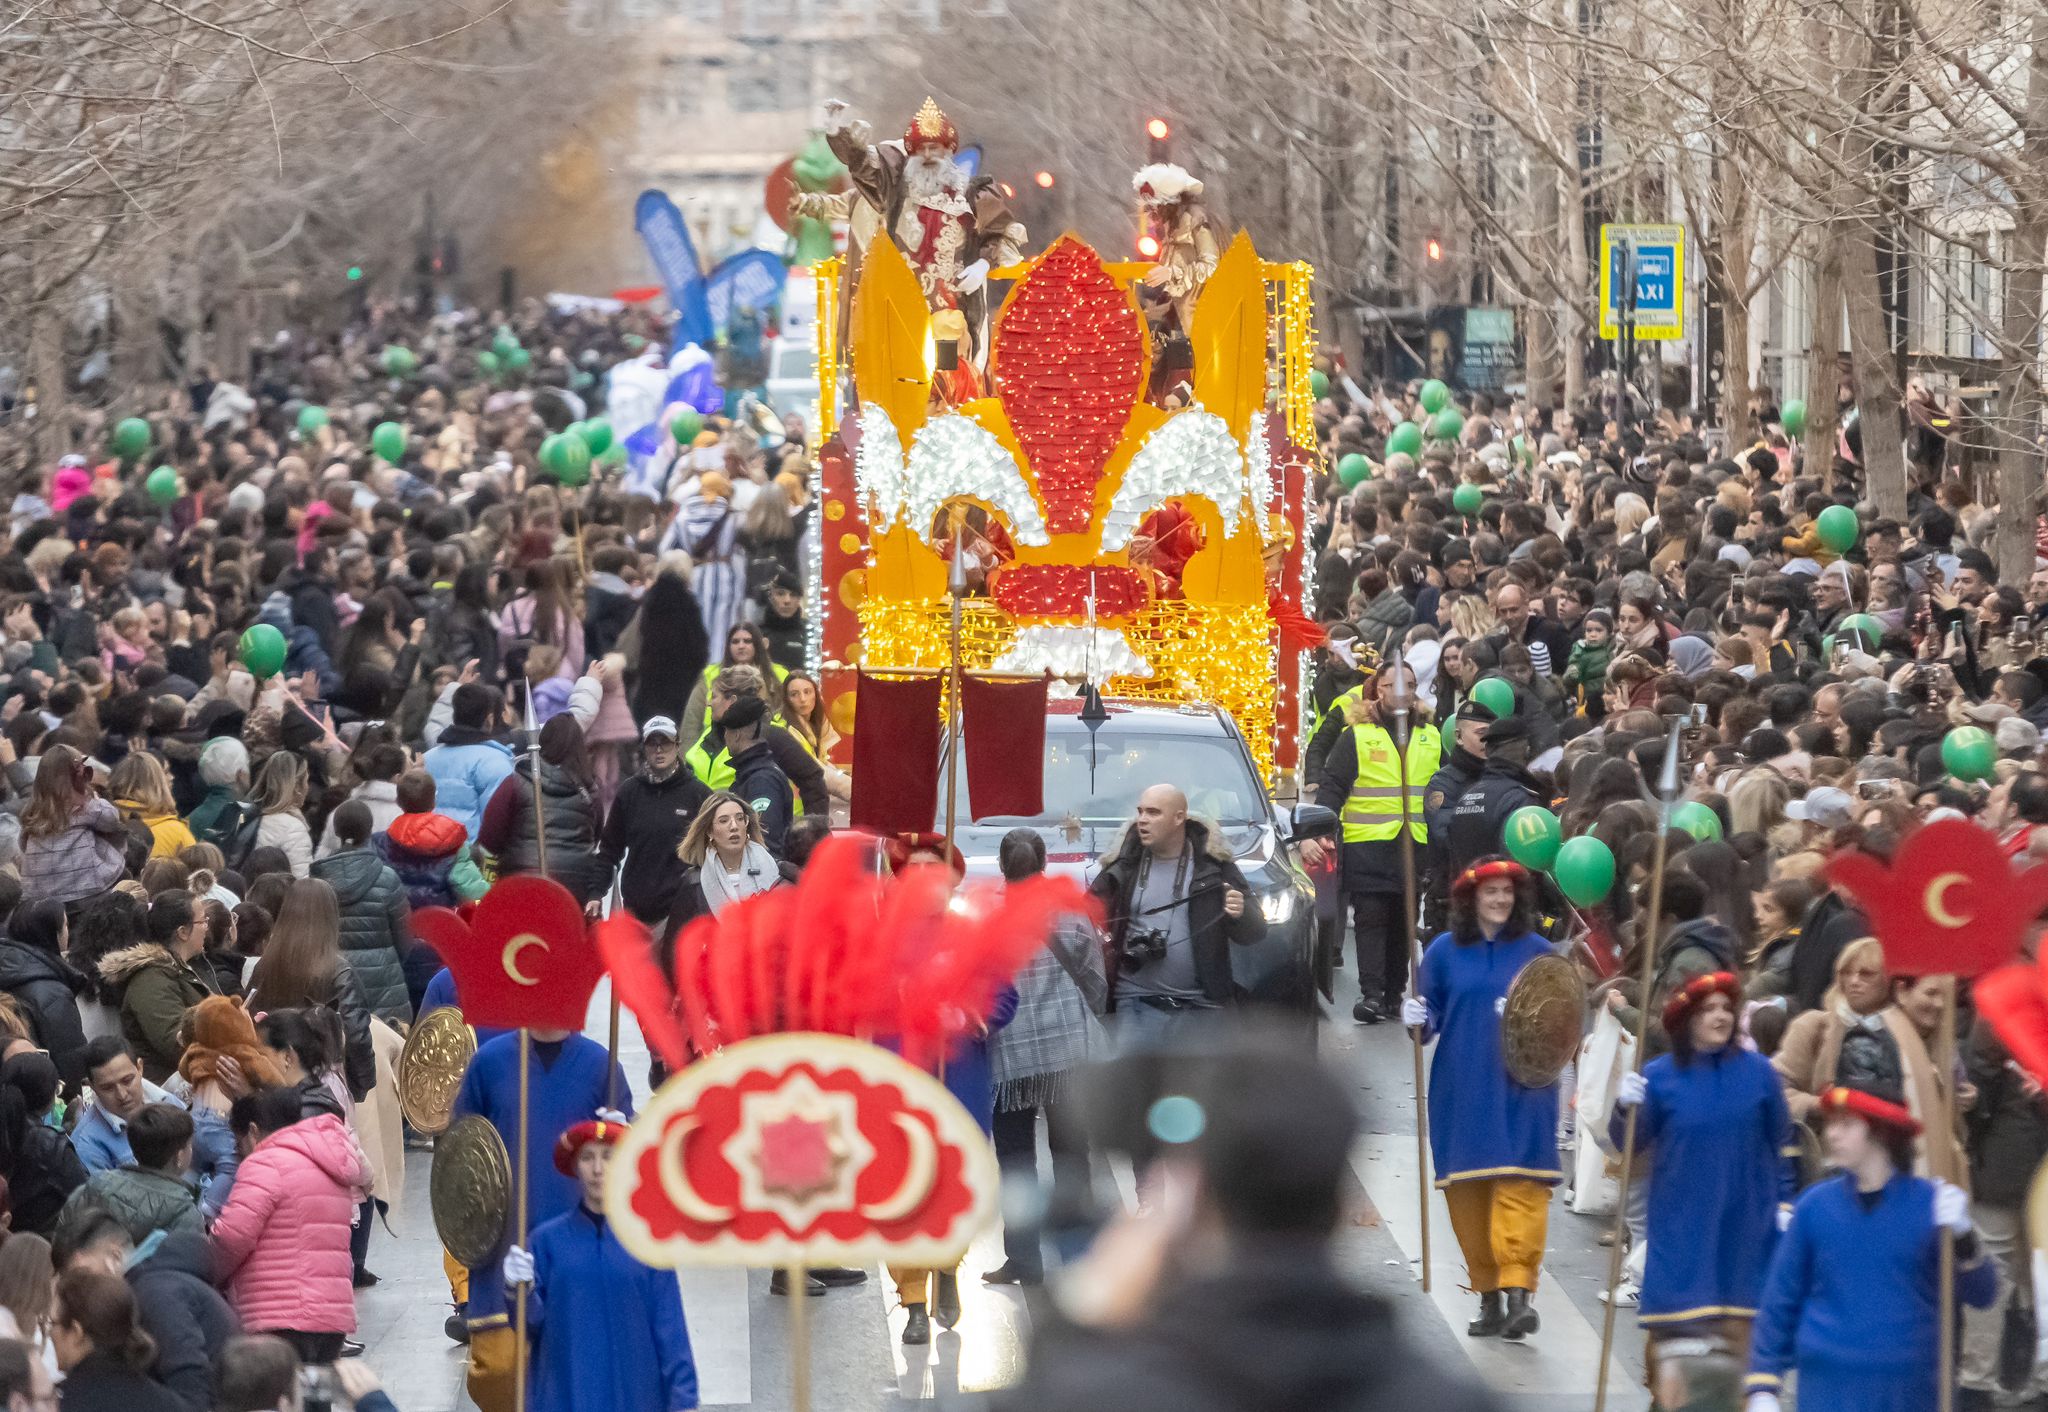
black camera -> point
(1142, 946)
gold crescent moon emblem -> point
(511, 957)
(1936, 901)
(920, 1171)
(675, 1181)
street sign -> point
(1659, 305)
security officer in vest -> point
(1446, 787)
(1479, 819)
(1343, 671)
(710, 761)
(1366, 771)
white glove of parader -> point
(611, 1115)
(1633, 1090)
(972, 277)
(1414, 1011)
(518, 1266)
(1761, 1401)
(1784, 1219)
(1952, 1207)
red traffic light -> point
(1148, 246)
(1044, 179)
(1434, 249)
(1157, 130)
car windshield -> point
(1104, 789)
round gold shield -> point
(471, 1188)
(1542, 1021)
(430, 1069)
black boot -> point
(946, 1300)
(1521, 1320)
(778, 1283)
(1492, 1317)
(457, 1326)
(918, 1329)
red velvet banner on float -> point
(896, 753)
(1003, 724)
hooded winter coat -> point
(568, 813)
(430, 854)
(152, 989)
(167, 830)
(375, 928)
(1211, 932)
(282, 1245)
(45, 990)
(142, 1200)
(178, 1307)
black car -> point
(1093, 777)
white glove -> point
(1952, 1207)
(972, 278)
(1634, 1089)
(1414, 1012)
(611, 1115)
(1762, 1401)
(835, 115)
(518, 1266)
(1784, 1218)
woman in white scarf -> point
(725, 861)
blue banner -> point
(752, 279)
(675, 258)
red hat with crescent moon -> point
(1872, 1109)
(1490, 868)
(570, 1144)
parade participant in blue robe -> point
(1853, 1296)
(1714, 1114)
(1492, 1141)
(608, 1331)
(572, 1077)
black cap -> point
(1507, 728)
(1476, 711)
(746, 711)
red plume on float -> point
(846, 951)
(1950, 904)
(522, 960)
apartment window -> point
(775, 81)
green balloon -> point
(388, 441)
(1827, 647)
(1871, 628)
(597, 435)
(1467, 499)
(1435, 396)
(518, 360)
(503, 342)
(262, 650)
(1697, 819)
(1446, 425)
(1318, 384)
(311, 419)
(1533, 837)
(1838, 528)
(1584, 870)
(613, 455)
(399, 361)
(1353, 469)
(1969, 752)
(487, 362)
(131, 438)
(162, 485)
(1404, 440)
(574, 431)
(567, 457)
(1496, 694)
(685, 425)
(1792, 417)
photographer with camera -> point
(1176, 902)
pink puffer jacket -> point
(281, 1245)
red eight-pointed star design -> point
(798, 1156)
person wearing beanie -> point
(756, 776)
(1851, 1300)
(1714, 1115)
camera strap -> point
(1180, 881)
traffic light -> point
(1159, 145)
(355, 273)
(1045, 181)
(1433, 248)
(1148, 246)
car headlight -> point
(1277, 907)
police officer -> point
(1365, 770)
(1446, 787)
(1479, 818)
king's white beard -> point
(932, 181)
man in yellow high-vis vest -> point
(1365, 772)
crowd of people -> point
(207, 875)
(1519, 618)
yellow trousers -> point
(914, 1284)
(458, 1278)
(1501, 1224)
(492, 1369)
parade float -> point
(1119, 455)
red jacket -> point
(281, 1245)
